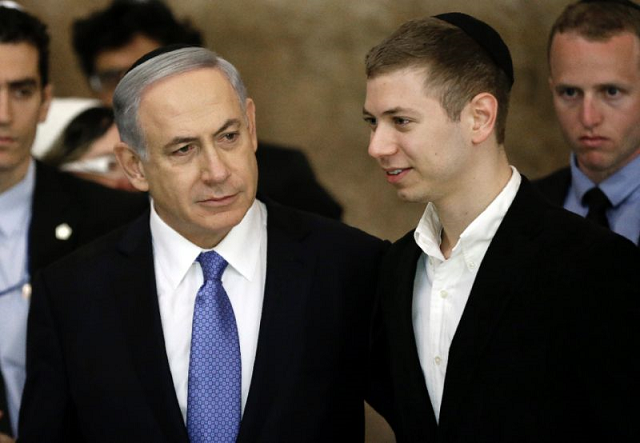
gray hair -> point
(128, 93)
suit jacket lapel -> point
(5, 424)
(51, 208)
(403, 337)
(503, 272)
(288, 282)
(135, 292)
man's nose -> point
(381, 143)
(590, 114)
(214, 165)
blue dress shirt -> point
(622, 189)
(15, 216)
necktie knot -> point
(213, 265)
(598, 204)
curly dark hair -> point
(120, 22)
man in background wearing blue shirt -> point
(594, 63)
(44, 214)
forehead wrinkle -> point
(190, 114)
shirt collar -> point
(617, 187)
(240, 248)
(475, 239)
(15, 204)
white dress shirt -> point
(442, 286)
(179, 276)
(15, 217)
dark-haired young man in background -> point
(44, 214)
(594, 74)
(109, 40)
(495, 322)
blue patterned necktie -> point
(215, 375)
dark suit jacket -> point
(88, 209)
(97, 369)
(546, 349)
(555, 186)
(285, 176)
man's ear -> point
(251, 122)
(47, 96)
(132, 165)
(483, 110)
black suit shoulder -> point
(325, 234)
(555, 186)
(68, 212)
(285, 175)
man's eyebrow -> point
(392, 111)
(188, 139)
(230, 122)
(23, 83)
(398, 110)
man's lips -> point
(593, 141)
(5, 139)
(394, 175)
(218, 201)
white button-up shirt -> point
(442, 286)
(179, 276)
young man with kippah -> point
(594, 75)
(494, 322)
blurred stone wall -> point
(303, 65)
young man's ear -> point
(47, 96)
(132, 165)
(483, 110)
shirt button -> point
(444, 294)
(438, 360)
(472, 265)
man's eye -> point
(184, 150)
(401, 121)
(371, 121)
(569, 92)
(612, 91)
(24, 92)
(230, 136)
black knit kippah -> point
(628, 3)
(484, 35)
(159, 51)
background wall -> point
(303, 65)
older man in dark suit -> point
(44, 214)
(501, 318)
(216, 317)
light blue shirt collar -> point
(15, 204)
(617, 188)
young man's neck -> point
(459, 211)
(11, 177)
